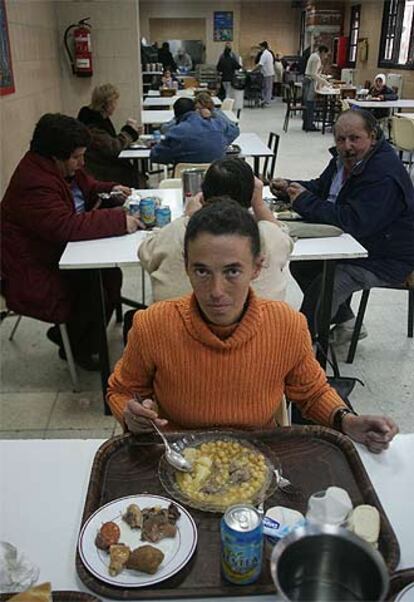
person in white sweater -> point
(161, 253)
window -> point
(354, 34)
(397, 35)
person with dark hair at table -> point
(101, 157)
(223, 357)
(161, 253)
(192, 139)
(379, 91)
(49, 202)
(366, 191)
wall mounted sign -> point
(223, 26)
(6, 70)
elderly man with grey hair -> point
(366, 191)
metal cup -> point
(325, 563)
(192, 180)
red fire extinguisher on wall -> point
(81, 59)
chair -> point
(180, 167)
(65, 340)
(408, 286)
(272, 143)
(291, 106)
(402, 137)
(344, 105)
(190, 82)
(170, 183)
(227, 104)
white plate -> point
(407, 594)
(177, 551)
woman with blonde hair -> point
(205, 106)
(102, 155)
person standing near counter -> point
(49, 202)
(266, 66)
(311, 81)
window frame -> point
(393, 31)
(355, 13)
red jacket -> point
(37, 220)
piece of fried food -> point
(146, 559)
(119, 554)
(133, 516)
(158, 523)
(107, 536)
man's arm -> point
(366, 209)
(165, 151)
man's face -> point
(220, 269)
(68, 167)
(353, 142)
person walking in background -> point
(311, 81)
(266, 65)
(278, 67)
(227, 66)
(102, 154)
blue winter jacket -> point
(193, 140)
(375, 205)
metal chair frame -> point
(273, 143)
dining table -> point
(45, 482)
(168, 101)
(151, 117)
(251, 145)
(121, 251)
(399, 104)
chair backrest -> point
(171, 183)
(190, 82)
(180, 167)
(227, 104)
(273, 144)
(402, 133)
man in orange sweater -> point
(222, 356)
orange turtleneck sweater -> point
(204, 377)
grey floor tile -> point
(85, 433)
(23, 434)
(80, 411)
(25, 410)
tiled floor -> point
(36, 397)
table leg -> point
(256, 161)
(103, 342)
(324, 113)
(324, 314)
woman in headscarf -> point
(380, 91)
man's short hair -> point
(183, 105)
(58, 135)
(232, 177)
(323, 48)
(221, 217)
(371, 125)
(264, 44)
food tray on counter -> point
(312, 457)
(62, 596)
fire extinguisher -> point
(81, 59)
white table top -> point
(407, 115)
(403, 103)
(150, 117)
(251, 146)
(44, 484)
(168, 101)
(121, 251)
(328, 91)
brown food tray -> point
(62, 596)
(313, 458)
(398, 582)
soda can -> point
(147, 211)
(241, 533)
(162, 216)
(133, 208)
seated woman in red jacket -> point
(223, 357)
(50, 201)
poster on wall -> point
(223, 26)
(6, 70)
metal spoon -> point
(174, 458)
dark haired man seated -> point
(223, 357)
(193, 139)
(366, 191)
(50, 201)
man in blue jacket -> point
(366, 191)
(193, 139)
